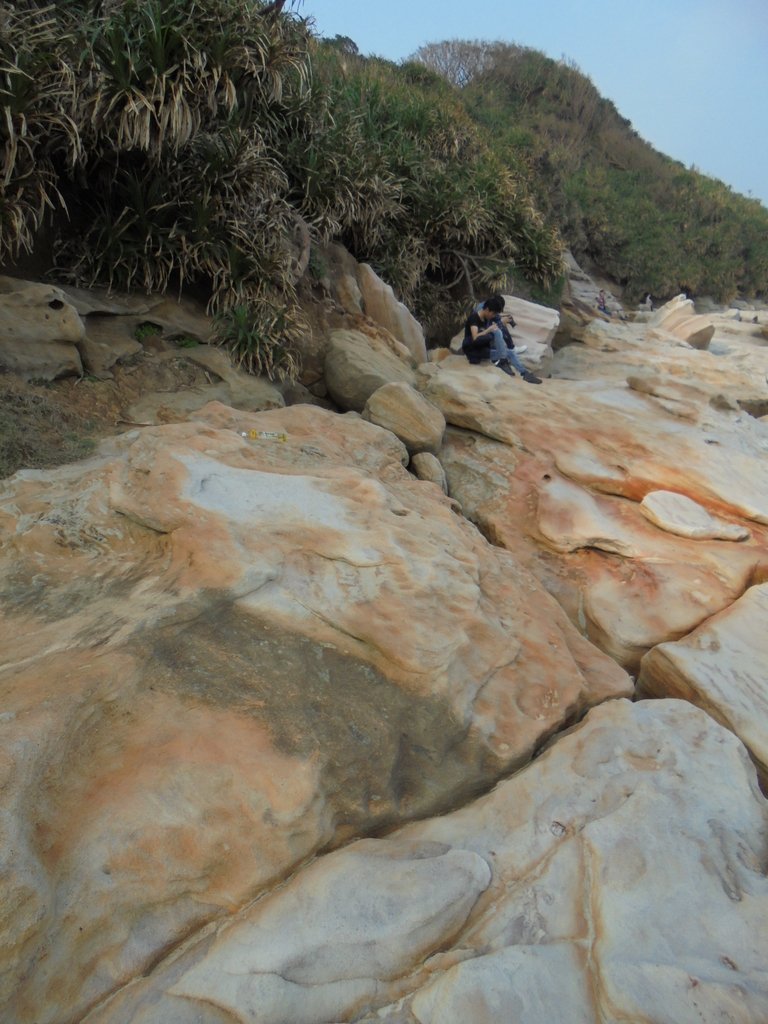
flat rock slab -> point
(678, 514)
(220, 654)
(620, 876)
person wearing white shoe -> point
(486, 335)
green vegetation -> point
(255, 341)
(168, 143)
(147, 330)
(651, 223)
(408, 181)
(162, 144)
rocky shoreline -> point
(408, 694)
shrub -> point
(262, 341)
(38, 132)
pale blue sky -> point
(691, 75)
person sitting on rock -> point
(484, 332)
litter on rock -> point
(263, 435)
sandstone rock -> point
(598, 435)
(524, 898)
(39, 331)
(676, 513)
(536, 327)
(104, 301)
(221, 655)
(108, 340)
(426, 467)
(721, 667)
(379, 303)
(556, 473)
(339, 959)
(183, 319)
(357, 364)
(341, 277)
(679, 317)
(232, 387)
(401, 409)
(739, 379)
(471, 396)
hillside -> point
(649, 222)
(152, 147)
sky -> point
(691, 75)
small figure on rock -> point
(602, 303)
(486, 336)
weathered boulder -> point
(535, 327)
(630, 352)
(108, 340)
(679, 317)
(620, 877)
(226, 384)
(602, 335)
(427, 467)
(339, 277)
(39, 331)
(379, 303)
(401, 409)
(357, 364)
(115, 323)
(222, 654)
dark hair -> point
(495, 304)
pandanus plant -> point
(183, 113)
(38, 129)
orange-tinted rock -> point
(221, 654)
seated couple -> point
(486, 336)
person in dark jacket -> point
(484, 338)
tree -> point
(458, 60)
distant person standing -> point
(602, 303)
(649, 302)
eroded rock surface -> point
(39, 331)
(544, 900)
(220, 655)
(678, 514)
(557, 473)
(400, 408)
(378, 302)
(358, 364)
(226, 658)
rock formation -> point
(317, 715)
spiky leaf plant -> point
(262, 339)
(186, 114)
(410, 184)
(38, 133)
